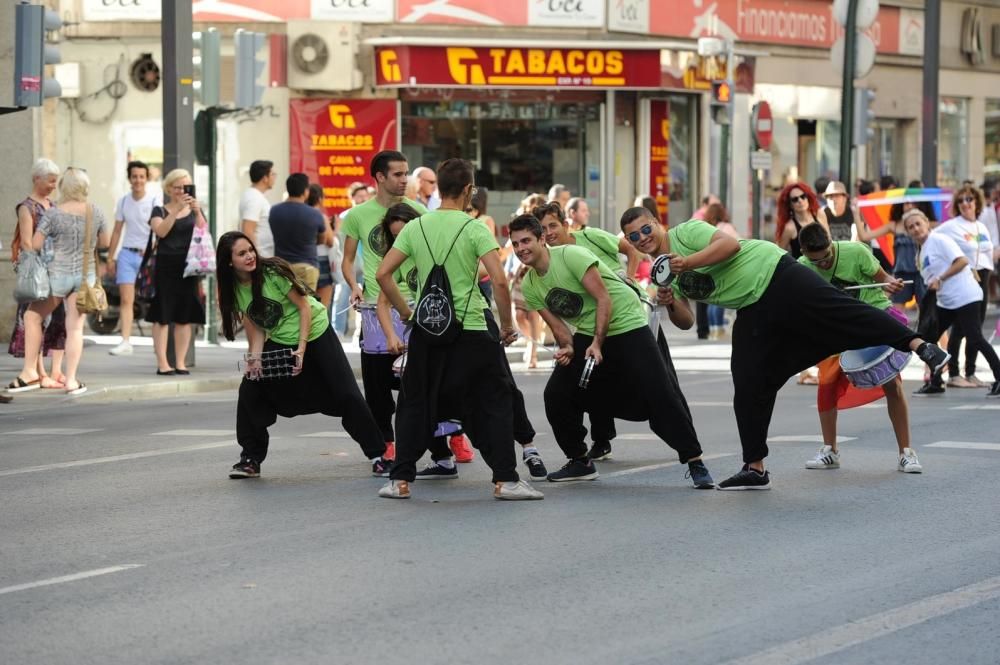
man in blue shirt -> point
(297, 228)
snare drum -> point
(873, 366)
(372, 337)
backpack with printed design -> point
(435, 314)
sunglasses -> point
(646, 230)
(823, 259)
(967, 199)
(801, 197)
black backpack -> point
(435, 314)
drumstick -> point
(880, 285)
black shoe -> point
(933, 355)
(380, 467)
(601, 450)
(435, 471)
(699, 475)
(574, 470)
(245, 468)
(994, 390)
(747, 479)
(536, 467)
(929, 389)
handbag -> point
(90, 298)
(32, 283)
(145, 281)
(201, 254)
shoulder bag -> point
(32, 283)
(90, 298)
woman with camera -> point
(176, 301)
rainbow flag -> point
(876, 207)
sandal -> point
(19, 385)
(81, 388)
(48, 383)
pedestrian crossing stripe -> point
(195, 432)
(976, 407)
(964, 445)
(325, 435)
(44, 431)
(806, 438)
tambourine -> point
(588, 369)
(274, 364)
(660, 273)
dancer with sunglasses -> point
(788, 318)
(845, 264)
(569, 285)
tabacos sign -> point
(416, 66)
(333, 142)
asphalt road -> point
(123, 541)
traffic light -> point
(250, 64)
(864, 115)
(207, 66)
(722, 99)
(32, 52)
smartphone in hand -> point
(189, 190)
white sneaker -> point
(123, 349)
(908, 462)
(519, 491)
(395, 489)
(825, 459)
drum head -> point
(858, 359)
(660, 273)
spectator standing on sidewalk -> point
(176, 301)
(297, 229)
(577, 213)
(255, 208)
(44, 177)
(329, 243)
(132, 214)
(973, 238)
(358, 193)
(426, 182)
(560, 194)
(65, 225)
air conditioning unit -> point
(322, 55)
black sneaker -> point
(994, 390)
(601, 450)
(747, 479)
(245, 468)
(933, 355)
(699, 475)
(380, 467)
(929, 389)
(435, 471)
(574, 470)
(535, 466)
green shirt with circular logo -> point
(276, 314)
(364, 224)
(560, 290)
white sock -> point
(530, 450)
(447, 463)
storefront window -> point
(683, 157)
(991, 158)
(518, 147)
(953, 153)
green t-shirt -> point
(604, 245)
(737, 282)
(277, 315)
(364, 224)
(853, 264)
(462, 265)
(561, 291)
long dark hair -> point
(401, 212)
(226, 279)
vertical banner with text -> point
(333, 142)
(659, 156)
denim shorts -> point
(127, 269)
(63, 285)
